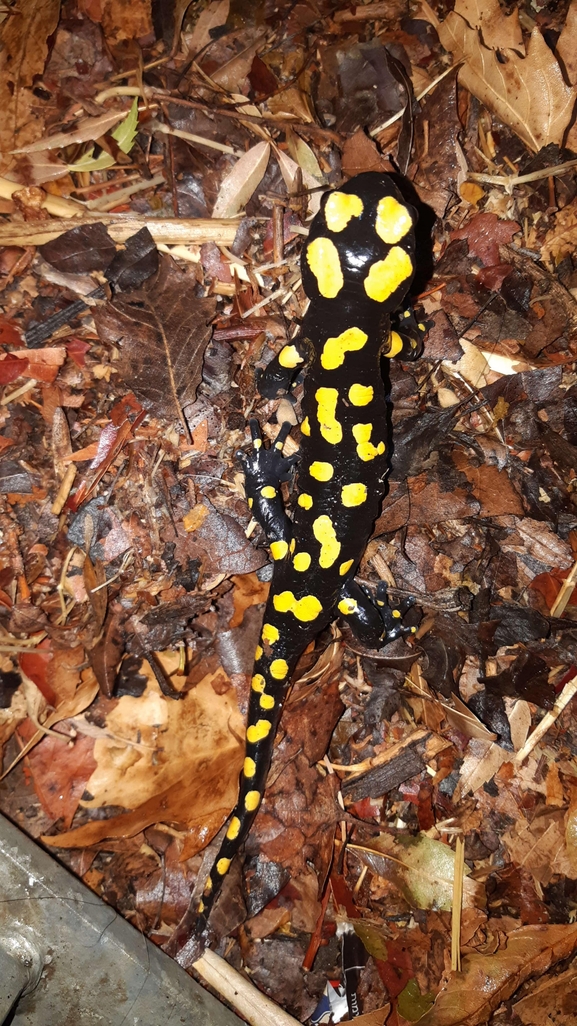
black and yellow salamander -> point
(357, 266)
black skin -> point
(327, 536)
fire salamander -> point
(357, 266)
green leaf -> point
(124, 134)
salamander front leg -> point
(281, 372)
(374, 621)
(264, 470)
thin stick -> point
(458, 873)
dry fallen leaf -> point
(486, 980)
(24, 46)
(528, 93)
(239, 184)
(175, 762)
(163, 331)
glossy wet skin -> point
(357, 266)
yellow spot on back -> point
(258, 682)
(354, 494)
(249, 768)
(302, 561)
(268, 492)
(290, 357)
(278, 670)
(323, 260)
(305, 500)
(233, 829)
(365, 448)
(361, 395)
(258, 731)
(207, 887)
(270, 633)
(305, 609)
(386, 275)
(393, 220)
(258, 653)
(327, 399)
(201, 906)
(222, 866)
(250, 503)
(345, 567)
(278, 549)
(292, 546)
(252, 801)
(305, 427)
(324, 532)
(395, 345)
(347, 606)
(321, 471)
(339, 209)
(266, 702)
(335, 349)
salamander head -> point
(361, 243)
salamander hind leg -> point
(374, 621)
(265, 469)
(406, 336)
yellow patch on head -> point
(321, 471)
(339, 209)
(345, 567)
(354, 494)
(222, 866)
(386, 275)
(268, 492)
(201, 906)
(305, 500)
(290, 357)
(258, 653)
(252, 801)
(335, 349)
(365, 449)
(393, 220)
(347, 606)
(270, 633)
(305, 427)
(323, 259)
(327, 399)
(266, 702)
(279, 669)
(302, 561)
(249, 768)
(233, 829)
(258, 683)
(395, 345)
(324, 532)
(305, 609)
(278, 549)
(361, 395)
(258, 731)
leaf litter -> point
(131, 576)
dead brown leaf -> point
(528, 93)
(163, 332)
(24, 47)
(486, 980)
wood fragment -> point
(170, 231)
